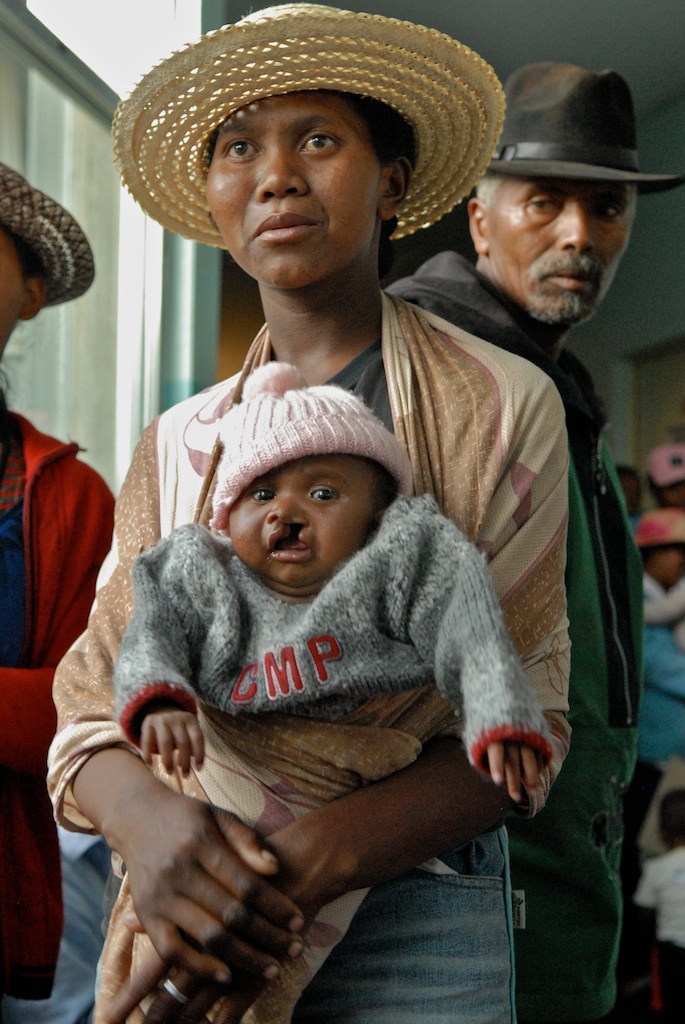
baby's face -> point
(295, 525)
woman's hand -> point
(199, 878)
(205, 881)
(373, 834)
(181, 998)
(381, 831)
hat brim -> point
(585, 172)
(51, 232)
(450, 96)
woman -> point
(55, 530)
(255, 138)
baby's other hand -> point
(514, 763)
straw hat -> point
(450, 96)
(50, 232)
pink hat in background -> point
(281, 419)
(666, 464)
(660, 526)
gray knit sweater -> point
(416, 604)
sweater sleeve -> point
(186, 621)
(27, 718)
(475, 655)
(455, 621)
(155, 658)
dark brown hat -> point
(50, 232)
(565, 122)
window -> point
(96, 370)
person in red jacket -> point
(56, 518)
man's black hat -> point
(565, 122)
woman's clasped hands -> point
(201, 889)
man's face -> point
(553, 245)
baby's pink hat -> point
(281, 419)
(666, 464)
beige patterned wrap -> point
(485, 432)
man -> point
(550, 222)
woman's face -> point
(297, 191)
(20, 298)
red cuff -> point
(134, 712)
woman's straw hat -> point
(450, 96)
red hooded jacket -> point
(68, 519)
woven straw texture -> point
(51, 232)
(450, 96)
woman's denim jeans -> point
(425, 949)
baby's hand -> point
(514, 763)
(175, 735)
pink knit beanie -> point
(666, 464)
(281, 419)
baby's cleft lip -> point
(286, 544)
(298, 553)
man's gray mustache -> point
(587, 266)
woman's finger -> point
(180, 1000)
(137, 987)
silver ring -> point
(174, 992)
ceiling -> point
(643, 40)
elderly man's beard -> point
(559, 306)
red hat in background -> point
(659, 527)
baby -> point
(660, 534)
(661, 893)
(320, 590)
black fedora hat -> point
(565, 122)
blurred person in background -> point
(56, 518)
(666, 475)
(631, 484)
(660, 536)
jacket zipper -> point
(598, 493)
